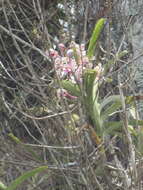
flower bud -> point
(70, 53)
(53, 53)
(61, 47)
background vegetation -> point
(58, 132)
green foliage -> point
(73, 89)
(135, 126)
(91, 97)
(17, 182)
(2, 186)
(113, 127)
(100, 110)
(97, 110)
(95, 36)
(24, 177)
(109, 106)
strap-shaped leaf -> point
(72, 88)
(135, 122)
(95, 35)
(91, 98)
(89, 81)
(109, 100)
(24, 177)
(110, 110)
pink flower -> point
(85, 61)
(70, 53)
(58, 61)
(64, 93)
(62, 47)
(79, 72)
(53, 53)
(82, 47)
(73, 45)
(66, 71)
(71, 62)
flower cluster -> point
(70, 62)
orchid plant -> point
(80, 79)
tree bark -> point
(134, 9)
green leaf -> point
(112, 127)
(2, 186)
(72, 88)
(91, 98)
(95, 35)
(96, 117)
(139, 141)
(14, 138)
(136, 122)
(90, 82)
(130, 99)
(133, 111)
(114, 99)
(132, 130)
(24, 177)
(109, 100)
(111, 110)
(137, 131)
